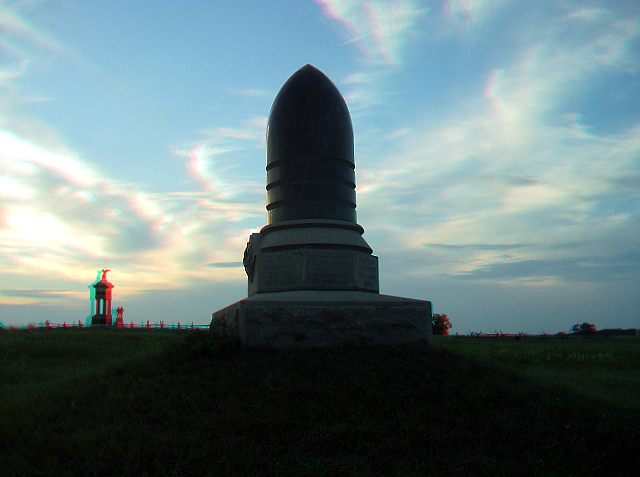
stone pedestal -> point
(310, 255)
(99, 319)
(310, 318)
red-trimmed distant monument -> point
(120, 316)
(103, 288)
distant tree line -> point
(619, 332)
(440, 325)
(585, 329)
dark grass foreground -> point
(84, 402)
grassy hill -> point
(125, 402)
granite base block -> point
(310, 319)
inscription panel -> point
(329, 269)
(367, 273)
(280, 271)
(315, 269)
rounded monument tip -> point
(310, 166)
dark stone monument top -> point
(310, 167)
(311, 240)
(312, 278)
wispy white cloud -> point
(255, 93)
(15, 25)
(381, 31)
(62, 217)
(519, 168)
(565, 55)
(380, 28)
(60, 220)
(209, 160)
(249, 92)
(466, 13)
(24, 40)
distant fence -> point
(516, 336)
(599, 334)
(47, 325)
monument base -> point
(320, 318)
(100, 319)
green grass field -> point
(606, 370)
(125, 402)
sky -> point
(497, 150)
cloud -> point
(225, 265)
(364, 89)
(62, 217)
(211, 163)
(511, 164)
(465, 13)
(25, 41)
(255, 93)
(61, 220)
(478, 246)
(379, 28)
(514, 179)
(559, 64)
(249, 92)
(583, 269)
(381, 31)
(13, 24)
(41, 297)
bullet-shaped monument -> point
(310, 167)
(312, 278)
(311, 240)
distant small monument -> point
(103, 289)
(312, 278)
(120, 316)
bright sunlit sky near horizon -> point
(497, 152)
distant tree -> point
(440, 324)
(586, 329)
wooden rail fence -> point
(47, 325)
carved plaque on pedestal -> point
(315, 269)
